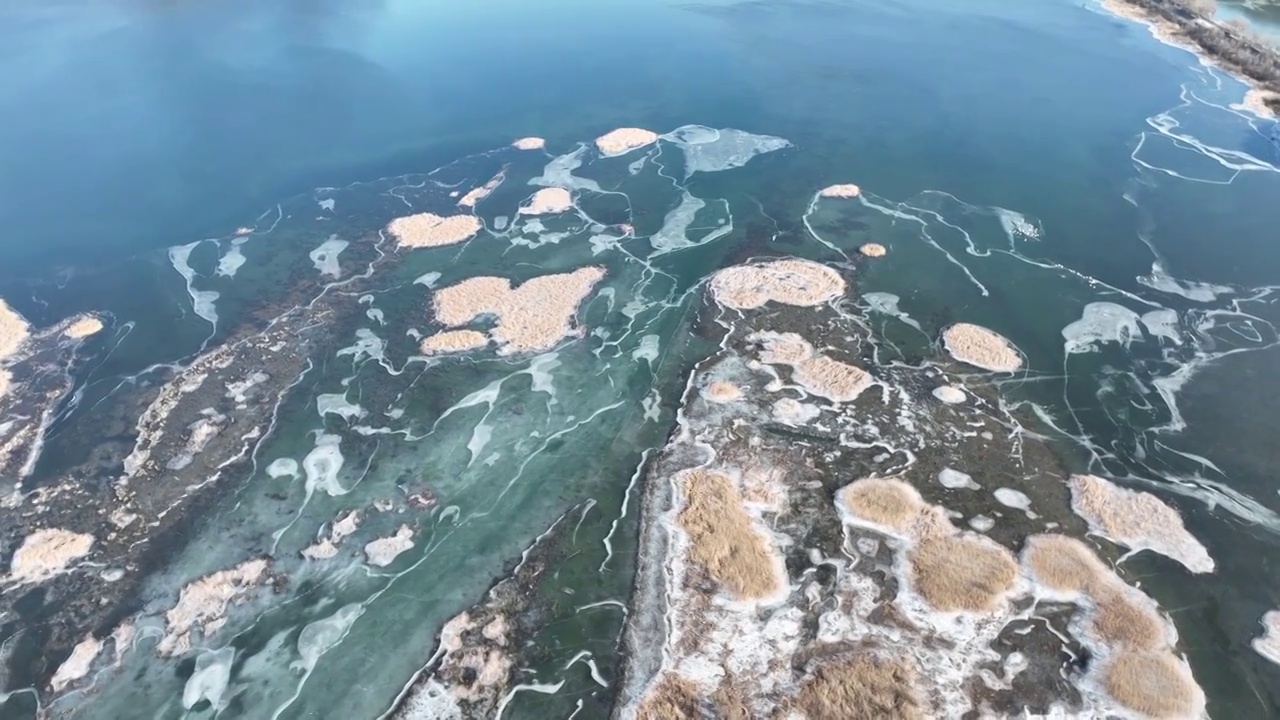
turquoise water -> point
(133, 127)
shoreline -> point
(1249, 59)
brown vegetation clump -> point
(529, 143)
(888, 502)
(1155, 684)
(844, 190)
(452, 341)
(962, 572)
(1138, 520)
(530, 318)
(863, 688)
(1125, 619)
(624, 140)
(873, 250)
(790, 282)
(723, 538)
(431, 230)
(670, 698)
(832, 379)
(980, 347)
(548, 201)
(1064, 564)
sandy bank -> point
(1189, 24)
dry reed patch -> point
(873, 250)
(889, 502)
(624, 140)
(548, 201)
(723, 537)
(782, 348)
(793, 412)
(529, 143)
(1122, 619)
(14, 330)
(790, 282)
(78, 664)
(949, 394)
(463, 302)
(1259, 103)
(844, 190)
(46, 553)
(981, 347)
(721, 391)
(832, 379)
(530, 318)
(202, 604)
(959, 572)
(477, 194)
(452, 341)
(84, 327)
(670, 698)
(1064, 564)
(1155, 684)
(431, 230)
(1138, 520)
(1268, 644)
(863, 688)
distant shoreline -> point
(1189, 24)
